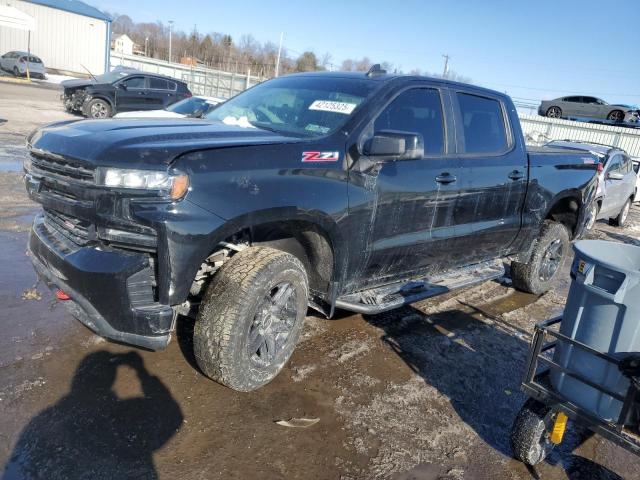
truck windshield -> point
(305, 106)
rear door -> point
(408, 204)
(493, 176)
(572, 106)
(162, 93)
(131, 94)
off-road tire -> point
(228, 310)
(529, 440)
(99, 101)
(526, 276)
(622, 217)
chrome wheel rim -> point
(615, 116)
(98, 110)
(624, 213)
(553, 112)
(551, 260)
(593, 213)
(272, 326)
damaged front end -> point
(74, 99)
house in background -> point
(122, 44)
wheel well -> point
(305, 241)
(566, 211)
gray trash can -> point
(603, 312)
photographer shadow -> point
(93, 433)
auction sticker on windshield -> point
(336, 107)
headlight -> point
(175, 186)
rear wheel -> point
(554, 112)
(547, 258)
(529, 439)
(251, 317)
(616, 116)
(621, 219)
(99, 108)
(16, 72)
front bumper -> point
(111, 290)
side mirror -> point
(615, 176)
(198, 113)
(122, 86)
(394, 145)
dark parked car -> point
(122, 90)
(586, 107)
(363, 192)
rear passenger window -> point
(158, 84)
(482, 124)
(417, 111)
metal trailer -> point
(541, 423)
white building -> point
(122, 44)
(67, 35)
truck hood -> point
(143, 143)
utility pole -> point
(446, 66)
(170, 25)
(279, 52)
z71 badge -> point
(320, 156)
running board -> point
(388, 297)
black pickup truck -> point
(356, 191)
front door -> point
(405, 208)
(131, 94)
(493, 180)
(613, 188)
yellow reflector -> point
(179, 187)
(559, 427)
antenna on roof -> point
(376, 70)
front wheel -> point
(251, 317)
(98, 108)
(621, 219)
(616, 116)
(529, 439)
(592, 215)
(549, 254)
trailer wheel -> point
(529, 439)
(250, 319)
(547, 258)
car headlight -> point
(175, 185)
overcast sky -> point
(531, 50)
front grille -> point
(78, 231)
(48, 165)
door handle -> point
(446, 178)
(516, 175)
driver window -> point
(416, 111)
(614, 164)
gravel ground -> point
(428, 391)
